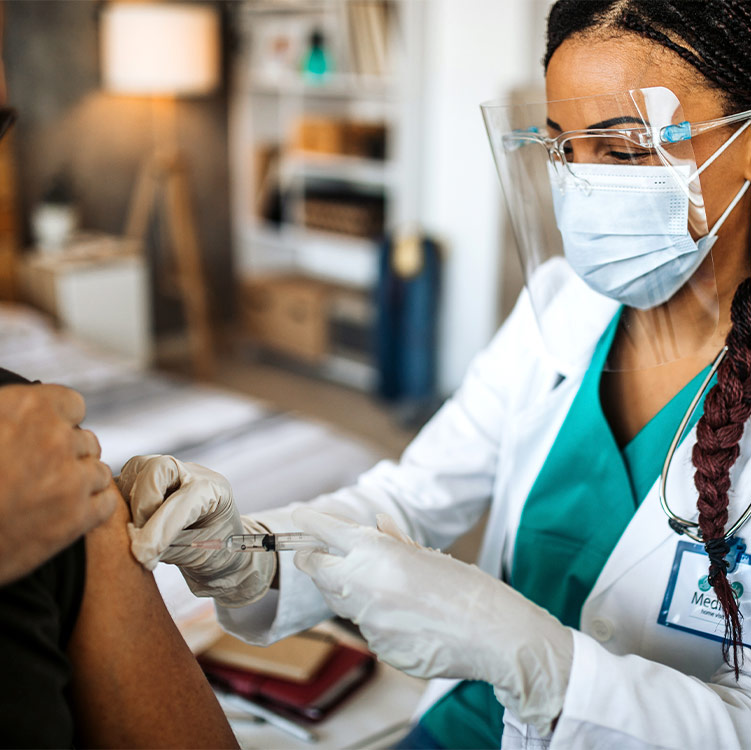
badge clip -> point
(737, 548)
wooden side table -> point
(97, 288)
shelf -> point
(334, 85)
(280, 7)
(350, 372)
(353, 263)
(335, 258)
(291, 234)
(270, 235)
(271, 98)
(369, 172)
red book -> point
(346, 669)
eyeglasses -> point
(617, 145)
(8, 116)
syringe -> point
(254, 542)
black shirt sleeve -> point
(11, 378)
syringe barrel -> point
(296, 540)
(292, 540)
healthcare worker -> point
(590, 619)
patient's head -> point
(7, 114)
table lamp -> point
(164, 51)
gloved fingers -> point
(188, 536)
(129, 472)
(157, 477)
(149, 554)
(181, 509)
(142, 548)
(199, 470)
(334, 531)
(324, 568)
(217, 507)
(403, 656)
(203, 563)
(386, 524)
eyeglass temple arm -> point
(684, 131)
(520, 137)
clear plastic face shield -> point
(611, 184)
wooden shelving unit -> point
(270, 98)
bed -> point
(270, 458)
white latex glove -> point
(176, 502)
(433, 616)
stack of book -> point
(304, 676)
(338, 208)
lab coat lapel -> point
(537, 426)
(520, 465)
(649, 528)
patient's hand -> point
(54, 487)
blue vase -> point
(317, 63)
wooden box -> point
(322, 135)
(288, 314)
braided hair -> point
(714, 36)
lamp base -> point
(162, 186)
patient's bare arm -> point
(135, 682)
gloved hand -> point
(176, 502)
(433, 616)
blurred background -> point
(263, 235)
(345, 223)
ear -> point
(747, 154)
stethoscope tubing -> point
(684, 525)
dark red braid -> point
(726, 409)
(714, 36)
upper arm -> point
(135, 682)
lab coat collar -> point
(573, 320)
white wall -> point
(475, 50)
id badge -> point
(690, 603)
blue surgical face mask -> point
(626, 232)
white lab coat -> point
(634, 683)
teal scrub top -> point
(581, 502)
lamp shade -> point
(160, 49)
